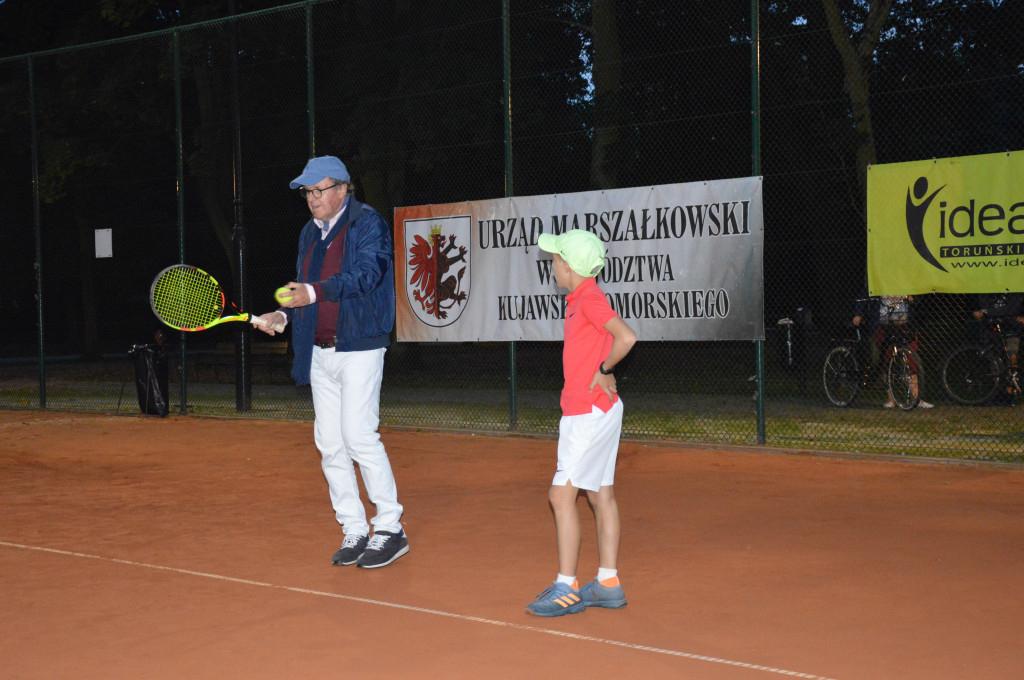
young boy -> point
(596, 339)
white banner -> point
(684, 263)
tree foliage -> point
(409, 93)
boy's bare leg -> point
(567, 527)
(605, 590)
(609, 528)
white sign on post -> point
(104, 243)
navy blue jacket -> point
(365, 288)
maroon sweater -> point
(327, 311)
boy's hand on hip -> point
(605, 382)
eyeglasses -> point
(316, 192)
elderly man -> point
(341, 310)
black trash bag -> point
(151, 378)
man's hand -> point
(273, 323)
(299, 298)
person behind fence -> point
(889, 320)
(1008, 310)
(341, 310)
(595, 340)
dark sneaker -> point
(596, 595)
(351, 548)
(557, 600)
(383, 549)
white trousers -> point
(346, 401)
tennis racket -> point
(189, 299)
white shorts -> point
(588, 445)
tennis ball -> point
(283, 294)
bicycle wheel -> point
(841, 376)
(971, 375)
(903, 378)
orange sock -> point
(563, 578)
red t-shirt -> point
(587, 343)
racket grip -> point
(257, 321)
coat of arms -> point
(437, 284)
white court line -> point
(435, 612)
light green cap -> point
(582, 250)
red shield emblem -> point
(437, 253)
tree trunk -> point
(607, 74)
(213, 146)
(857, 53)
(89, 336)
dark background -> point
(411, 95)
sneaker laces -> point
(351, 541)
(377, 542)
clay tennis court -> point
(137, 547)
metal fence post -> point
(179, 160)
(310, 100)
(755, 154)
(37, 227)
(506, 36)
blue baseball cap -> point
(321, 168)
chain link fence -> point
(182, 143)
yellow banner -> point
(950, 225)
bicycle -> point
(847, 370)
(972, 374)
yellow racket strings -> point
(187, 298)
